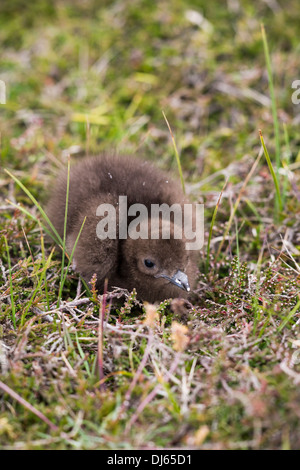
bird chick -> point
(157, 267)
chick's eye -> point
(148, 263)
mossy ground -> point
(89, 76)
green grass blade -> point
(64, 237)
(71, 257)
(32, 198)
(237, 247)
(272, 172)
(286, 163)
(82, 355)
(38, 287)
(176, 154)
(13, 307)
(255, 303)
(289, 317)
(31, 216)
(45, 277)
(273, 100)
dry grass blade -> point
(153, 393)
(137, 375)
(101, 336)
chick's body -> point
(149, 265)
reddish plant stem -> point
(27, 405)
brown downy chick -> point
(158, 268)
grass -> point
(273, 99)
(12, 302)
(275, 179)
(80, 372)
(64, 237)
(176, 154)
(212, 223)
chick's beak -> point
(179, 279)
